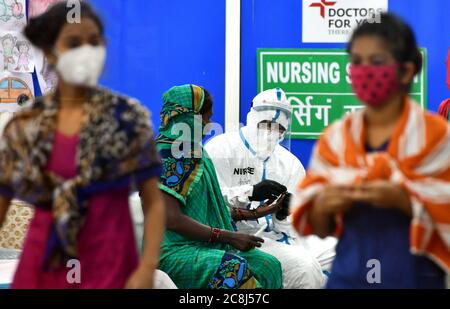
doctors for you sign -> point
(326, 21)
(317, 84)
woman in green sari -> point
(200, 247)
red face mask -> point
(373, 84)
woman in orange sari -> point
(380, 177)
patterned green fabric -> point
(182, 105)
(180, 120)
(194, 264)
(232, 273)
(192, 180)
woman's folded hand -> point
(241, 241)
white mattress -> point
(7, 269)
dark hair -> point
(7, 37)
(43, 31)
(207, 102)
(398, 36)
(21, 43)
(22, 99)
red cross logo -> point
(322, 4)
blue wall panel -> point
(155, 44)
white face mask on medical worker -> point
(267, 141)
(81, 66)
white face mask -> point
(82, 66)
(267, 141)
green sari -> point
(191, 178)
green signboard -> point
(317, 85)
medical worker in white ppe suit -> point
(252, 167)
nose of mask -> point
(82, 66)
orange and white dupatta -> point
(417, 158)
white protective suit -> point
(160, 280)
(241, 160)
